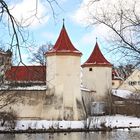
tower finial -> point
(96, 39)
(63, 22)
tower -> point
(63, 79)
(97, 74)
(5, 63)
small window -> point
(132, 83)
(90, 69)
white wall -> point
(116, 83)
(132, 83)
(63, 80)
(99, 79)
(35, 105)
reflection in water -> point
(118, 135)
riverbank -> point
(98, 123)
(113, 122)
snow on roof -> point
(125, 94)
(63, 45)
(34, 87)
(122, 93)
(96, 58)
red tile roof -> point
(26, 73)
(96, 58)
(31, 73)
(64, 45)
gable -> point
(132, 83)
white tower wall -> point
(63, 81)
(99, 80)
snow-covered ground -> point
(93, 123)
(113, 122)
(45, 125)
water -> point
(119, 135)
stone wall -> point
(35, 104)
(27, 104)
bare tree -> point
(123, 18)
(15, 28)
(17, 39)
(39, 56)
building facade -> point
(97, 74)
(63, 78)
(132, 83)
(53, 92)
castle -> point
(55, 91)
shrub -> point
(8, 119)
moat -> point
(114, 135)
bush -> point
(8, 119)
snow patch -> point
(44, 124)
(37, 87)
(92, 123)
(122, 93)
(117, 121)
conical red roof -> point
(96, 58)
(63, 45)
